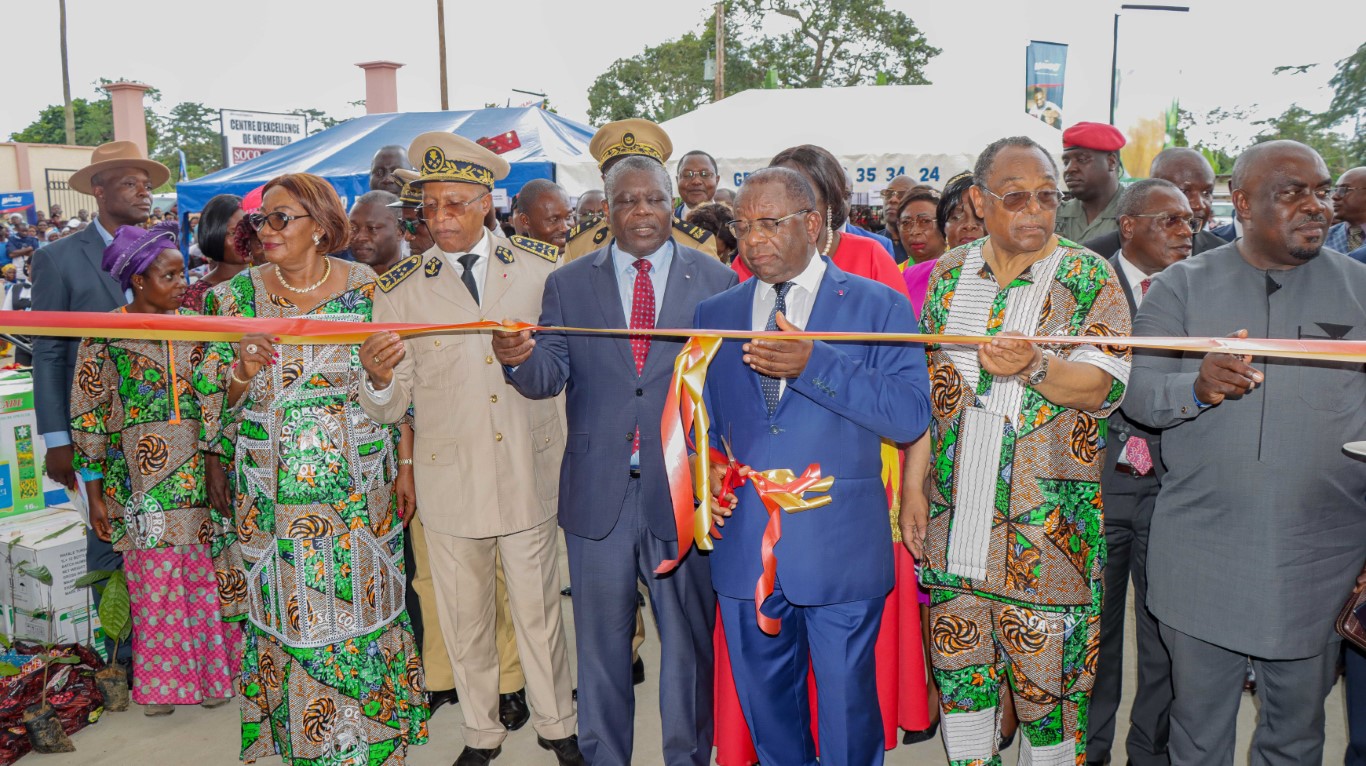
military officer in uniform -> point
(486, 459)
(625, 138)
(512, 709)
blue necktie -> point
(772, 387)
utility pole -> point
(720, 52)
(441, 50)
(66, 78)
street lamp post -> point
(1114, 50)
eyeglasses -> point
(1293, 195)
(917, 222)
(1015, 201)
(767, 226)
(1170, 221)
(432, 212)
(690, 174)
(1342, 191)
(409, 227)
(277, 220)
(892, 194)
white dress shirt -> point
(481, 264)
(1135, 276)
(801, 297)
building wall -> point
(24, 167)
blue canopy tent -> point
(342, 153)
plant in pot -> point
(40, 721)
(116, 617)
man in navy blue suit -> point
(614, 493)
(789, 404)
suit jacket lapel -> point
(92, 246)
(1124, 283)
(829, 299)
(604, 279)
(679, 304)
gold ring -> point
(376, 358)
(251, 348)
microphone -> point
(1271, 284)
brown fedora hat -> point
(117, 154)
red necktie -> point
(642, 318)
(1137, 450)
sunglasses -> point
(1170, 221)
(1015, 201)
(408, 227)
(277, 220)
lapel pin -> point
(839, 292)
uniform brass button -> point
(433, 456)
(547, 440)
(488, 360)
(494, 398)
(497, 437)
(631, 436)
(437, 343)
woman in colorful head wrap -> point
(135, 426)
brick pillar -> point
(381, 86)
(130, 121)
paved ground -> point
(210, 737)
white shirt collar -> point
(481, 248)
(810, 278)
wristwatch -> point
(1037, 375)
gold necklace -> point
(327, 272)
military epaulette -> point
(503, 254)
(696, 232)
(537, 247)
(581, 228)
(400, 271)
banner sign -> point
(1045, 71)
(20, 203)
(248, 135)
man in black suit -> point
(1192, 174)
(1156, 225)
(67, 277)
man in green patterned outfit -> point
(1014, 541)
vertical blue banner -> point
(1045, 72)
(18, 202)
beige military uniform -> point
(585, 239)
(487, 466)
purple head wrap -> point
(134, 248)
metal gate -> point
(59, 192)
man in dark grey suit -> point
(67, 277)
(1260, 526)
(614, 496)
(1155, 232)
(1194, 177)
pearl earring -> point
(317, 238)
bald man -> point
(382, 167)
(1193, 175)
(1348, 235)
(542, 212)
(1259, 528)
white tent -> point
(929, 132)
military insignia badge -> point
(433, 267)
(504, 254)
(400, 271)
(537, 248)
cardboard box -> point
(56, 541)
(73, 626)
(23, 486)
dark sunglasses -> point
(1015, 201)
(277, 220)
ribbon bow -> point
(781, 490)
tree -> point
(831, 43)
(192, 128)
(318, 121)
(1298, 124)
(666, 80)
(839, 43)
(1349, 100)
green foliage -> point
(115, 608)
(91, 578)
(8, 669)
(193, 128)
(318, 121)
(1298, 124)
(821, 43)
(41, 574)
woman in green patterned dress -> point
(313, 558)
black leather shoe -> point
(924, 735)
(566, 750)
(473, 756)
(437, 699)
(638, 672)
(512, 710)
(567, 590)
(1006, 742)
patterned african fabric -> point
(183, 652)
(1047, 658)
(136, 421)
(1044, 536)
(194, 295)
(313, 557)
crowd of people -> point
(349, 537)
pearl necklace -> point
(327, 272)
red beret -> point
(1093, 135)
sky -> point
(289, 54)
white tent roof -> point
(930, 132)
